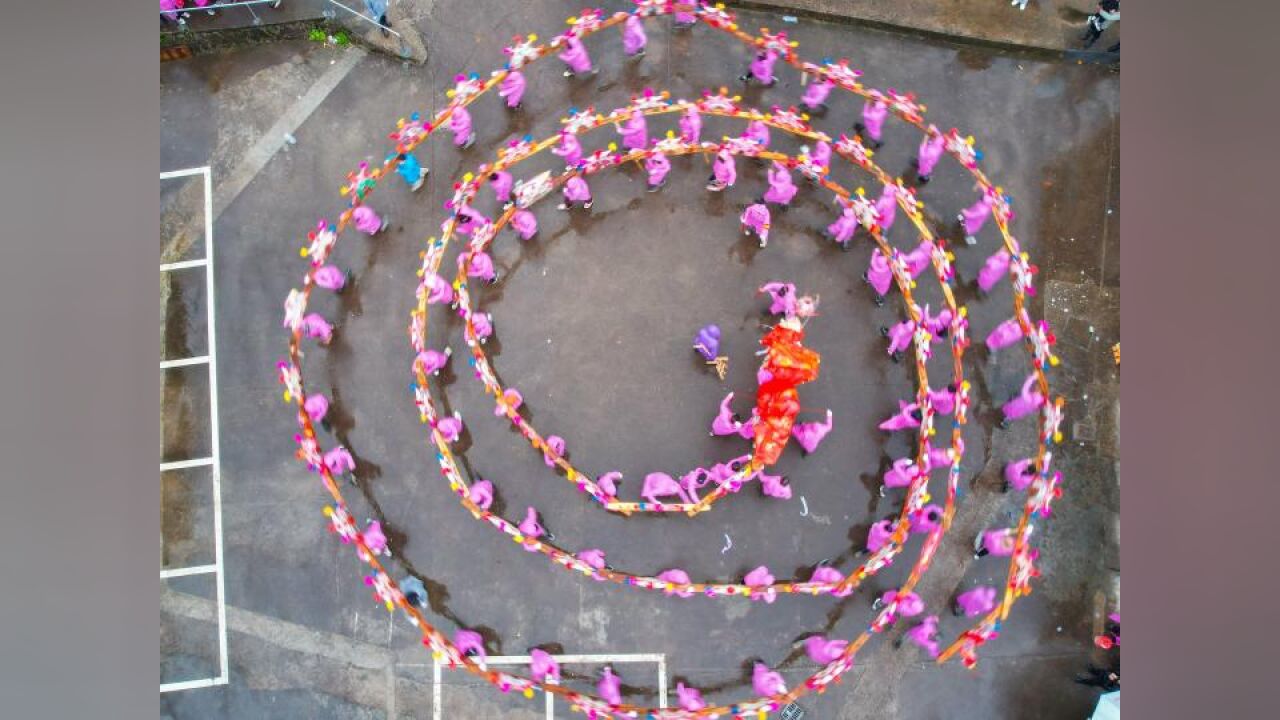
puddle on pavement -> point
(184, 413)
(186, 517)
(182, 219)
(184, 332)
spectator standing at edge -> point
(378, 12)
(1108, 13)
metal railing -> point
(184, 15)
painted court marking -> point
(658, 659)
(210, 361)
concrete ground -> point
(593, 321)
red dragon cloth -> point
(788, 364)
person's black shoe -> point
(884, 331)
(879, 301)
(859, 127)
(923, 179)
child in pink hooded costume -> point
(900, 474)
(1004, 335)
(610, 685)
(899, 337)
(841, 231)
(501, 182)
(766, 682)
(676, 576)
(811, 433)
(481, 493)
(340, 462)
(907, 417)
(657, 166)
(879, 275)
(781, 189)
(724, 172)
(512, 88)
(887, 208)
(634, 132)
(576, 57)
(367, 221)
(481, 266)
(317, 407)
(975, 602)
(757, 132)
(470, 642)
(569, 149)
(525, 224)
(873, 114)
(576, 191)
(920, 257)
(760, 580)
(995, 542)
(931, 148)
(331, 278)
(909, 604)
(726, 421)
(926, 519)
(317, 327)
(761, 69)
(975, 216)
(633, 37)
(823, 651)
(879, 535)
(374, 539)
(756, 219)
(1027, 401)
(543, 667)
(831, 576)
(924, 635)
(815, 95)
(691, 126)
(450, 427)
(531, 528)
(689, 698)
(783, 297)
(995, 269)
(1019, 474)
(460, 124)
(556, 445)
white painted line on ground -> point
(211, 326)
(184, 173)
(181, 464)
(213, 461)
(601, 659)
(181, 265)
(662, 683)
(183, 362)
(193, 570)
(192, 684)
(435, 690)
(578, 659)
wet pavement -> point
(593, 321)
